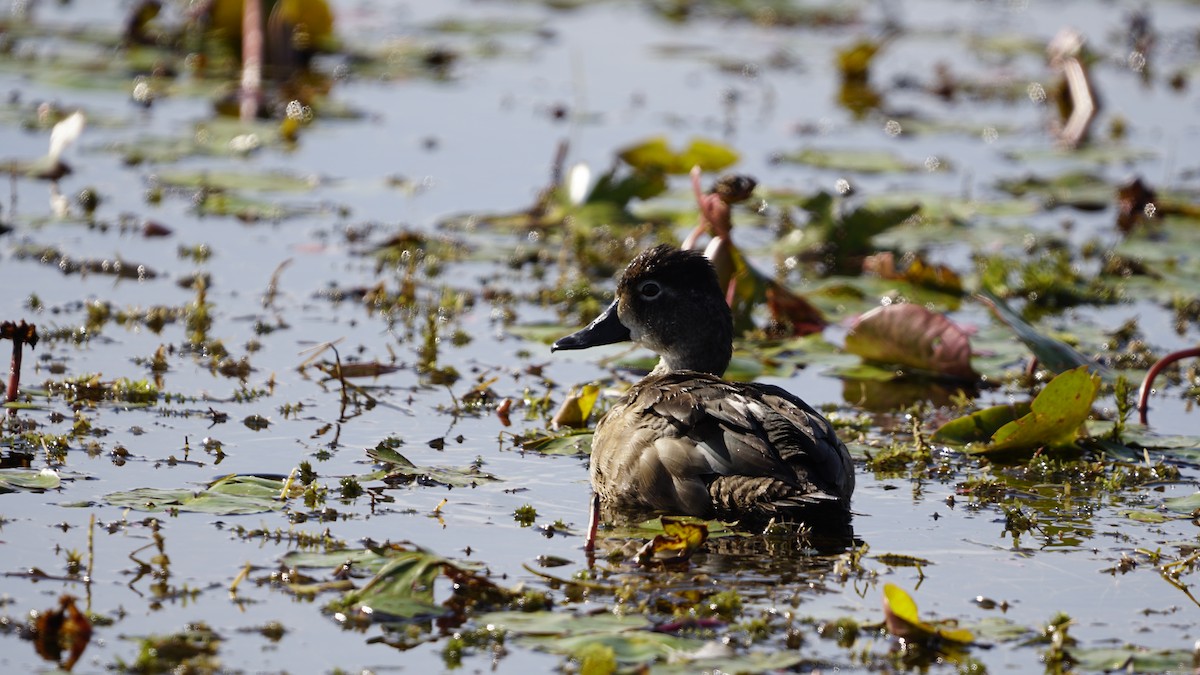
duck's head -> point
(668, 300)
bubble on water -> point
(1150, 210)
(299, 112)
(244, 144)
(1036, 93)
(932, 163)
(990, 135)
(892, 128)
(142, 93)
(842, 186)
(1136, 61)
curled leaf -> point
(901, 618)
(576, 408)
(913, 336)
(679, 540)
(1055, 416)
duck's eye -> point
(649, 290)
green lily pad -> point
(656, 155)
(266, 181)
(1186, 505)
(568, 442)
(1132, 659)
(231, 495)
(981, 425)
(1081, 190)
(852, 161)
(1144, 516)
(359, 557)
(402, 589)
(12, 480)
(1055, 417)
(627, 637)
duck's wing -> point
(763, 448)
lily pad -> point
(228, 496)
(1132, 659)
(853, 161)
(910, 335)
(402, 589)
(656, 155)
(12, 480)
(628, 637)
(1187, 505)
(981, 425)
(1055, 417)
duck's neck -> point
(712, 359)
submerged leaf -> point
(911, 335)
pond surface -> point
(393, 235)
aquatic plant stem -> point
(252, 55)
(20, 334)
(1143, 403)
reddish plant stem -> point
(1143, 403)
(252, 57)
(21, 334)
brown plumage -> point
(684, 441)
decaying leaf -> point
(679, 540)
(913, 336)
(902, 620)
(576, 408)
(62, 628)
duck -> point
(683, 440)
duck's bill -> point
(604, 330)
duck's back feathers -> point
(692, 443)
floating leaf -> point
(679, 540)
(398, 469)
(656, 155)
(980, 425)
(910, 335)
(1081, 190)
(1055, 417)
(1144, 516)
(1054, 355)
(853, 161)
(402, 589)
(231, 495)
(569, 442)
(576, 408)
(627, 636)
(1187, 505)
(12, 480)
(902, 620)
(1132, 660)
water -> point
(483, 141)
